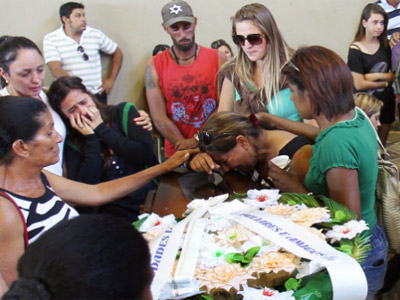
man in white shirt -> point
(74, 50)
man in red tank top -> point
(181, 82)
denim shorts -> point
(374, 266)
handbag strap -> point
(26, 239)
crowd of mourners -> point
(65, 154)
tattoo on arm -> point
(148, 78)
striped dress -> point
(42, 213)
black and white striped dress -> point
(42, 213)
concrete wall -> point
(136, 26)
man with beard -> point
(181, 82)
(74, 50)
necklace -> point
(177, 59)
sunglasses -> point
(80, 49)
(205, 138)
(253, 39)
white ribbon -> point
(163, 251)
(347, 277)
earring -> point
(6, 81)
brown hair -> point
(222, 129)
(369, 9)
(326, 78)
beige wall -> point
(136, 26)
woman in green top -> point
(344, 161)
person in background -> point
(224, 47)
(392, 8)
(181, 83)
(252, 81)
(74, 50)
(159, 48)
(371, 106)
(103, 142)
(33, 200)
(343, 164)
(78, 259)
(369, 60)
(23, 73)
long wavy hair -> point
(277, 55)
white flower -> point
(262, 198)
(264, 294)
(217, 223)
(308, 268)
(346, 231)
(211, 253)
(210, 202)
(155, 220)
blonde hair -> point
(368, 103)
(277, 55)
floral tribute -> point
(236, 263)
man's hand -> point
(203, 162)
(191, 143)
(107, 85)
(394, 39)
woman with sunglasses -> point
(252, 81)
(369, 60)
(344, 163)
(103, 142)
(233, 141)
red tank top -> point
(190, 91)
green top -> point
(349, 144)
(284, 108)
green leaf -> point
(206, 297)
(298, 198)
(292, 284)
(346, 246)
(243, 260)
(139, 223)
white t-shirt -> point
(57, 46)
(58, 125)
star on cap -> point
(175, 9)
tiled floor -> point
(393, 147)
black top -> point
(129, 155)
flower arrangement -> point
(234, 262)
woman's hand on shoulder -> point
(144, 120)
(203, 162)
(178, 159)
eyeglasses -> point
(84, 55)
(205, 138)
(253, 39)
